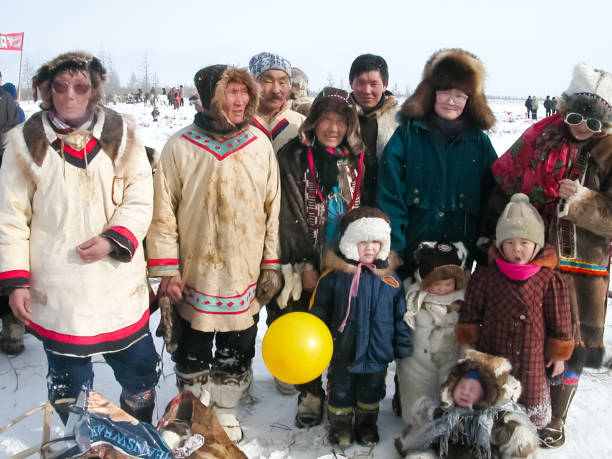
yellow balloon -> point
(297, 347)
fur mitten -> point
(268, 285)
(170, 327)
(515, 436)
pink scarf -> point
(516, 272)
(354, 289)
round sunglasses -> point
(592, 124)
(80, 88)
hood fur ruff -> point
(366, 229)
(494, 373)
(216, 111)
(74, 60)
(447, 69)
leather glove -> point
(268, 285)
(170, 326)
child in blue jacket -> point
(362, 301)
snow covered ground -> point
(267, 418)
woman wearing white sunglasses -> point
(564, 164)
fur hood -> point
(216, 111)
(389, 103)
(452, 68)
(494, 373)
(337, 101)
(74, 60)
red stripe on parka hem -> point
(89, 340)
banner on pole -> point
(11, 41)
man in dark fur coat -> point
(564, 164)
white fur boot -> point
(197, 383)
(226, 391)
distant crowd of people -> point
(532, 104)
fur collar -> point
(332, 261)
(108, 129)
(390, 102)
(602, 153)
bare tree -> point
(133, 83)
(145, 73)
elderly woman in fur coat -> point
(321, 173)
(564, 164)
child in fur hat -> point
(518, 307)
(362, 302)
(433, 306)
(477, 414)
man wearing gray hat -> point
(274, 118)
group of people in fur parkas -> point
(483, 277)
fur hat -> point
(71, 61)
(494, 375)
(211, 83)
(590, 94)
(337, 101)
(263, 62)
(448, 69)
(439, 261)
(365, 224)
(520, 219)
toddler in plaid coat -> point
(518, 307)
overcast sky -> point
(527, 46)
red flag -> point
(11, 41)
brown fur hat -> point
(73, 61)
(494, 373)
(337, 101)
(211, 83)
(448, 69)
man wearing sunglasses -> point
(76, 199)
(564, 164)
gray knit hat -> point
(263, 62)
(520, 219)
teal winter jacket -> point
(432, 191)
